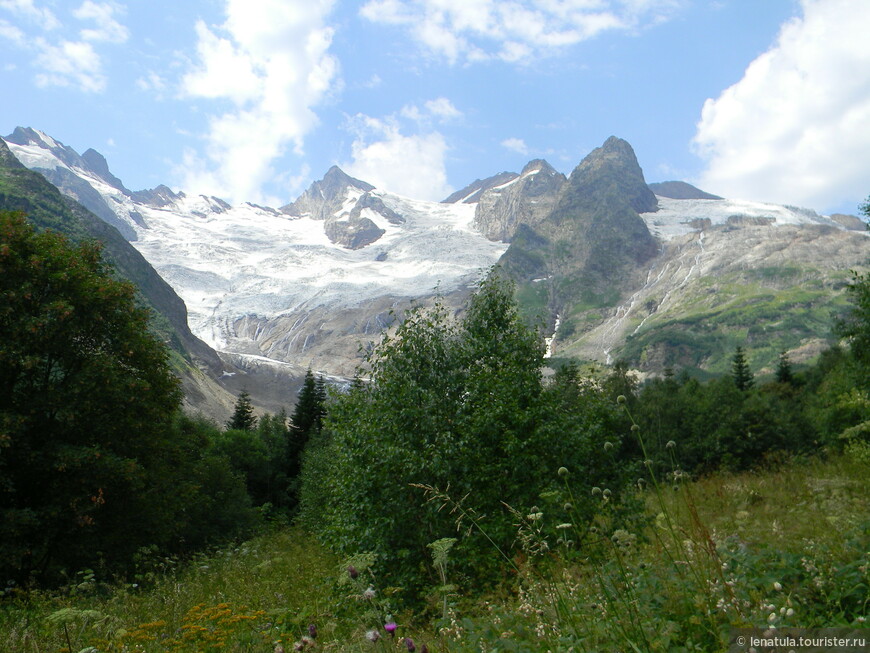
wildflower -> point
(671, 444)
(777, 586)
(369, 593)
(562, 527)
(607, 492)
(352, 572)
(635, 428)
(279, 649)
(596, 491)
(424, 649)
(563, 472)
(771, 617)
(390, 627)
(568, 507)
(608, 446)
(790, 612)
(410, 644)
(373, 635)
(312, 631)
(620, 399)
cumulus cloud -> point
(103, 14)
(512, 30)
(517, 145)
(26, 9)
(69, 62)
(411, 165)
(270, 60)
(794, 128)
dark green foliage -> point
(91, 465)
(259, 456)
(459, 406)
(783, 370)
(855, 327)
(740, 372)
(243, 418)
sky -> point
(252, 100)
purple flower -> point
(390, 627)
(312, 631)
(410, 644)
(352, 572)
(425, 649)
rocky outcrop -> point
(525, 199)
(326, 197)
(471, 193)
(353, 232)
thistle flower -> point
(369, 593)
(390, 627)
(410, 644)
(373, 635)
(312, 631)
(352, 572)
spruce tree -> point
(740, 372)
(783, 370)
(307, 418)
(243, 418)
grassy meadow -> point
(785, 546)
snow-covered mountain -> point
(610, 266)
(297, 284)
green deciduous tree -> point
(459, 406)
(86, 403)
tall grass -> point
(785, 547)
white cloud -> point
(794, 129)
(44, 18)
(443, 109)
(512, 30)
(410, 165)
(271, 60)
(103, 14)
(61, 61)
(71, 63)
(517, 145)
(12, 33)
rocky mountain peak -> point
(612, 171)
(97, 164)
(323, 198)
(7, 159)
(680, 190)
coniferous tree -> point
(740, 372)
(243, 418)
(783, 370)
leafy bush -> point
(461, 407)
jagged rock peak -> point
(97, 164)
(159, 197)
(322, 198)
(471, 193)
(540, 165)
(613, 169)
(29, 136)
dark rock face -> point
(376, 204)
(680, 190)
(353, 233)
(97, 164)
(592, 241)
(159, 197)
(526, 199)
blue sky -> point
(251, 100)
